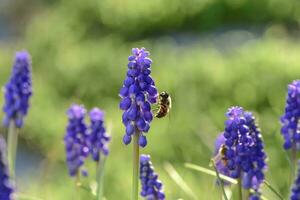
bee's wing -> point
(170, 102)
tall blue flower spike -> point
(245, 154)
(18, 90)
(76, 139)
(290, 119)
(138, 93)
(6, 186)
(152, 188)
(98, 138)
(295, 193)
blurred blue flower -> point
(152, 188)
(18, 90)
(138, 93)
(295, 193)
(290, 120)
(245, 154)
(6, 186)
(76, 139)
(98, 138)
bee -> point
(164, 103)
(221, 155)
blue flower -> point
(98, 138)
(245, 154)
(290, 119)
(295, 193)
(18, 90)
(6, 186)
(152, 188)
(76, 139)
(138, 93)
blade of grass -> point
(263, 197)
(219, 179)
(179, 180)
(273, 189)
(209, 172)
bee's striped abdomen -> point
(163, 111)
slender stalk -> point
(246, 194)
(12, 143)
(240, 190)
(219, 179)
(293, 163)
(136, 162)
(273, 189)
(78, 186)
(100, 175)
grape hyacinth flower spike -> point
(76, 139)
(138, 93)
(98, 138)
(6, 186)
(18, 90)
(152, 188)
(290, 119)
(245, 156)
(98, 144)
(17, 93)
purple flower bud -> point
(138, 93)
(18, 90)
(152, 188)
(142, 141)
(126, 139)
(125, 103)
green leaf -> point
(209, 172)
(221, 181)
(273, 189)
(179, 180)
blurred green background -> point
(208, 54)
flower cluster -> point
(152, 188)
(18, 90)
(82, 140)
(245, 154)
(290, 120)
(98, 138)
(6, 187)
(295, 193)
(76, 139)
(138, 93)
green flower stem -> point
(136, 162)
(293, 163)
(78, 187)
(246, 194)
(240, 189)
(12, 143)
(100, 177)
